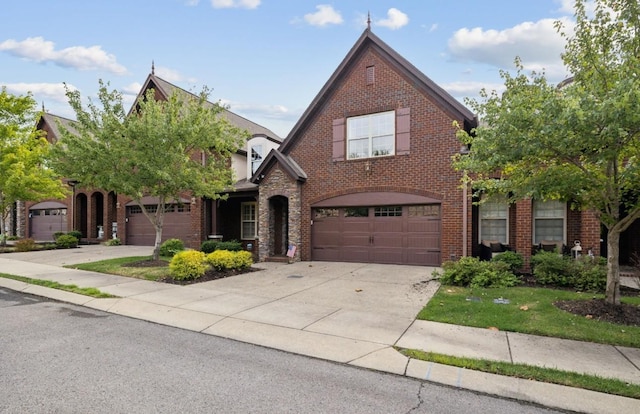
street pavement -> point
(351, 313)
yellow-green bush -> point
(225, 259)
(188, 264)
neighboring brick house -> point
(98, 214)
(365, 175)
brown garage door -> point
(47, 218)
(386, 234)
(177, 224)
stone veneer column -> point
(278, 183)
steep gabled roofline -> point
(453, 107)
(52, 120)
(288, 165)
(166, 89)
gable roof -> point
(54, 121)
(165, 89)
(288, 165)
(447, 102)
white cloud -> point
(78, 57)
(41, 91)
(470, 89)
(536, 43)
(172, 75)
(567, 7)
(262, 110)
(191, 2)
(395, 19)
(132, 88)
(325, 15)
(228, 4)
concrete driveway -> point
(357, 301)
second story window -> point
(256, 157)
(371, 135)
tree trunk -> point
(157, 225)
(3, 239)
(612, 294)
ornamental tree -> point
(163, 149)
(24, 172)
(578, 141)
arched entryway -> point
(97, 215)
(80, 209)
(278, 225)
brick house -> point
(99, 215)
(365, 175)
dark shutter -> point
(403, 125)
(338, 139)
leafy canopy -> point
(24, 171)
(578, 141)
(166, 149)
(162, 149)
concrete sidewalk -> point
(351, 313)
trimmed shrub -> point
(208, 246)
(170, 247)
(188, 265)
(25, 245)
(585, 273)
(589, 274)
(514, 260)
(231, 245)
(57, 234)
(66, 241)
(470, 271)
(229, 260)
(550, 268)
(77, 234)
(113, 242)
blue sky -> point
(266, 59)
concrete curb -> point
(361, 354)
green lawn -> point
(90, 291)
(550, 375)
(530, 311)
(115, 267)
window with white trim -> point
(248, 218)
(549, 221)
(494, 220)
(371, 135)
(256, 158)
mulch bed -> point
(211, 274)
(597, 309)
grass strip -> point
(549, 375)
(118, 267)
(529, 311)
(92, 292)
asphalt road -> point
(57, 357)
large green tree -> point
(577, 141)
(163, 149)
(24, 173)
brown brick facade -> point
(425, 170)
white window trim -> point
(480, 238)
(254, 162)
(534, 219)
(255, 220)
(370, 147)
